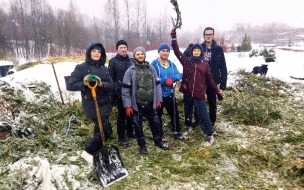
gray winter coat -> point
(129, 88)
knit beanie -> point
(121, 42)
(163, 46)
(140, 48)
(197, 46)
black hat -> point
(121, 42)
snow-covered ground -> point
(288, 63)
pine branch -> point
(177, 23)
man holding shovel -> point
(88, 73)
(168, 74)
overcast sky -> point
(220, 14)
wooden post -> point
(58, 84)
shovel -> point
(107, 161)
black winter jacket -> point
(103, 94)
(118, 65)
(216, 62)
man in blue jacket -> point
(214, 55)
(168, 74)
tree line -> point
(32, 29)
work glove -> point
(158, 105)
(86, 79)
(129, 111)
(169, 82)
(173, 33)
(220, 96)
(94, 77)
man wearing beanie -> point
(141, 95)
(196, 76)
(168, 74)
(117, 68)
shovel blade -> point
(109, 166)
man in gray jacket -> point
(141, 95)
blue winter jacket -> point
(163, 73)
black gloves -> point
(173, 33)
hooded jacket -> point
(163, 73)
(216, 59)
(196, 76)
(129, 89)
(102, 93)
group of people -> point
(139, 89)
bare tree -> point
(127, 20)
(112, 20)
(3, 41)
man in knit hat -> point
(117, 68)
(168, 74)
(141, 95)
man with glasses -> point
(214, 55)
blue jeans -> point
(201, 113)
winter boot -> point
(163, 146)
(209, 140)
(143, 149)
(181, 137)
(123, 142)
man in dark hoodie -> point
(214, 55)
(117, 68)
(196, 76)
(93, 68)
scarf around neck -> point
(196, 59)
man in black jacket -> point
(117, 68)
(214, 55)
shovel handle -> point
(103, 139)
(92, 88)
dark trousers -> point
(201, 113)
(211, 98)
(124, 123)
(95, 143)
(188, 110)
(168, 105)
(147, 111)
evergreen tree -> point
(246, 44)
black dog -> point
(262, 70)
